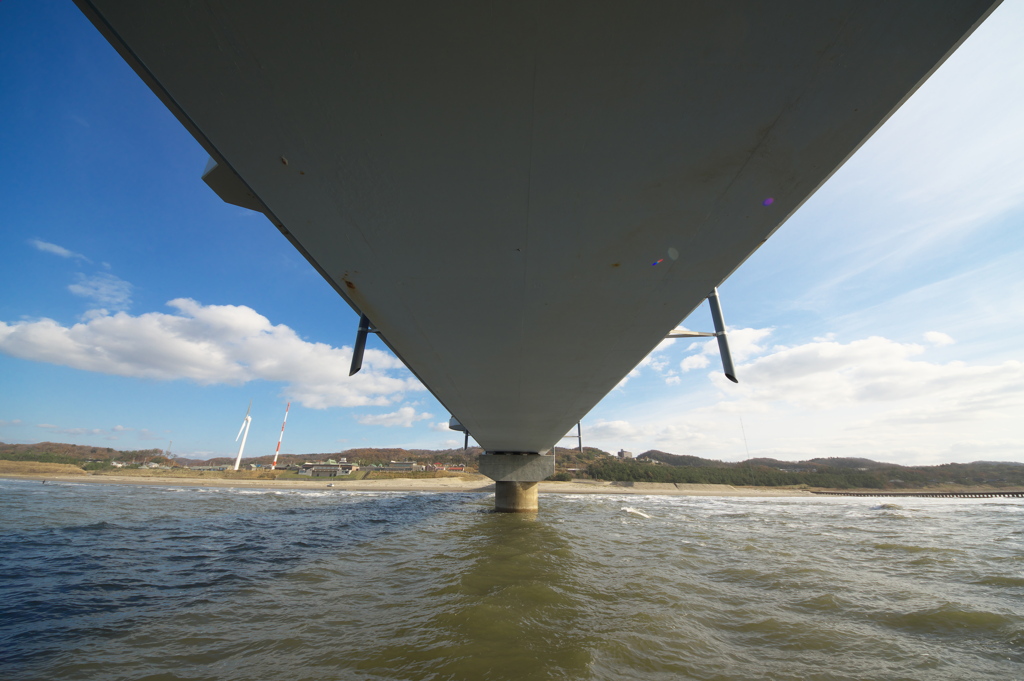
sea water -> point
(103, 581)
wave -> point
(952, 619)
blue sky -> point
(883, 320)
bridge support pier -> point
(515, 497)
(515, 476)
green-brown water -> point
(123, 582)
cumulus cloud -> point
(655, 359)
(210, 344)
(104, 289)
(47, 247)
(743, 344)
(938, 338)
(873, 397)
(404, 418)
(699, 361)
(608, 430)
(828, 374)
(440, 427)
(620, 432)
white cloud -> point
(15, 422)
(610, 430)
(938, 338)
(440, 427)
(47, 247)
(211, 344)
(655, 359)
(746, 343)
(105, 289)
(872, 397)
(404, 418)
(743, 344)
(613, 434)
(700, 361)
(71, 431)
(828, 374)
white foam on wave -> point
(629, 509)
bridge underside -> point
(490, 183)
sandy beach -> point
(426, 485)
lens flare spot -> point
(673, 253)
(767, 202)
(658, 262)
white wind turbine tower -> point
(243, 433)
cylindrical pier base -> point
(515, 497)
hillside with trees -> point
(651, 466)
(80, 455)
(832, 473)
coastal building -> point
(623, 454)
(328, 469)
(402, 467)
(458, 467)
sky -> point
(884, 319)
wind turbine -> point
(243, 433)
(284, 423)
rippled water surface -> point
(124, 582)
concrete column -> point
(515, 497)
(515, 476)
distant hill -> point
(831, 472)
(59, 452)
(847, 462)
(681, 459)
(653, 465)
(791, 466)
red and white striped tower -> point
(281, 436)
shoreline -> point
(481, 485)
(435, 485)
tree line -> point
(885, 476)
